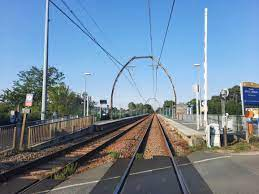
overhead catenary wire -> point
(151, 41)
(164, 39)
(89, 34)
(85, 31)
(90, 16)
(133, 83)
(167, 28)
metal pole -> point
(199, 81)
(85, 98)
(205, 68)
(87, 106)
(197, 107)
(224, 118)
(45, 67)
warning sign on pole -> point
(29, 99)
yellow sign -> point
(254, 111)
(250, 84)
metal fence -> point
(235, 123)
(39, 131)
(43, 132)
(7, 137)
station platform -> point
(104, 122)
(186, 130)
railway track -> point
(32, 176)
(166, 150)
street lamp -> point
(86, 113)
(198, 96)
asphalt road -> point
(204, 172)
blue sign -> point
(251, 96)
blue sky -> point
(233, 44)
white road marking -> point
(85, 183)
(204, 160)
(152, 170)
(96, 181)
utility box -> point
(213, 135)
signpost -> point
(249, 95)
(103, 101)
(28, 103)
(250, 105)
(224, 94)
(29, 100)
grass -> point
(236, 147)
(67, 171)
(139, 156)
(199, 147)
(115, 155)
(239, 147)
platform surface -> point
(185, 127)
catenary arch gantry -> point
(158, 65)
(155, 99)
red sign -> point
(29, 99)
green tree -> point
(30, 81)
(168, 103)
(148, 108)
(63, 101)
(233, 103)
(131, 106)
(4, 113)
(139, 107)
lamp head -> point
(196, 65)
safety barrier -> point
(43, 132)
(7, 137)
(236, 123)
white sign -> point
(29, 99)
(224, 93)
(195, 88)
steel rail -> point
(5, 176)
(183, 186)
(83, 158)
(120, 185)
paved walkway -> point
(204, 172)
(223, 173)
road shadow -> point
(192, 177)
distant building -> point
(181, 108)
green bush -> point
(67, 171)
(115, 155)
(139, 156)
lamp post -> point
(205, 67)
(86, 113)
(45, 66)
(199, 91)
